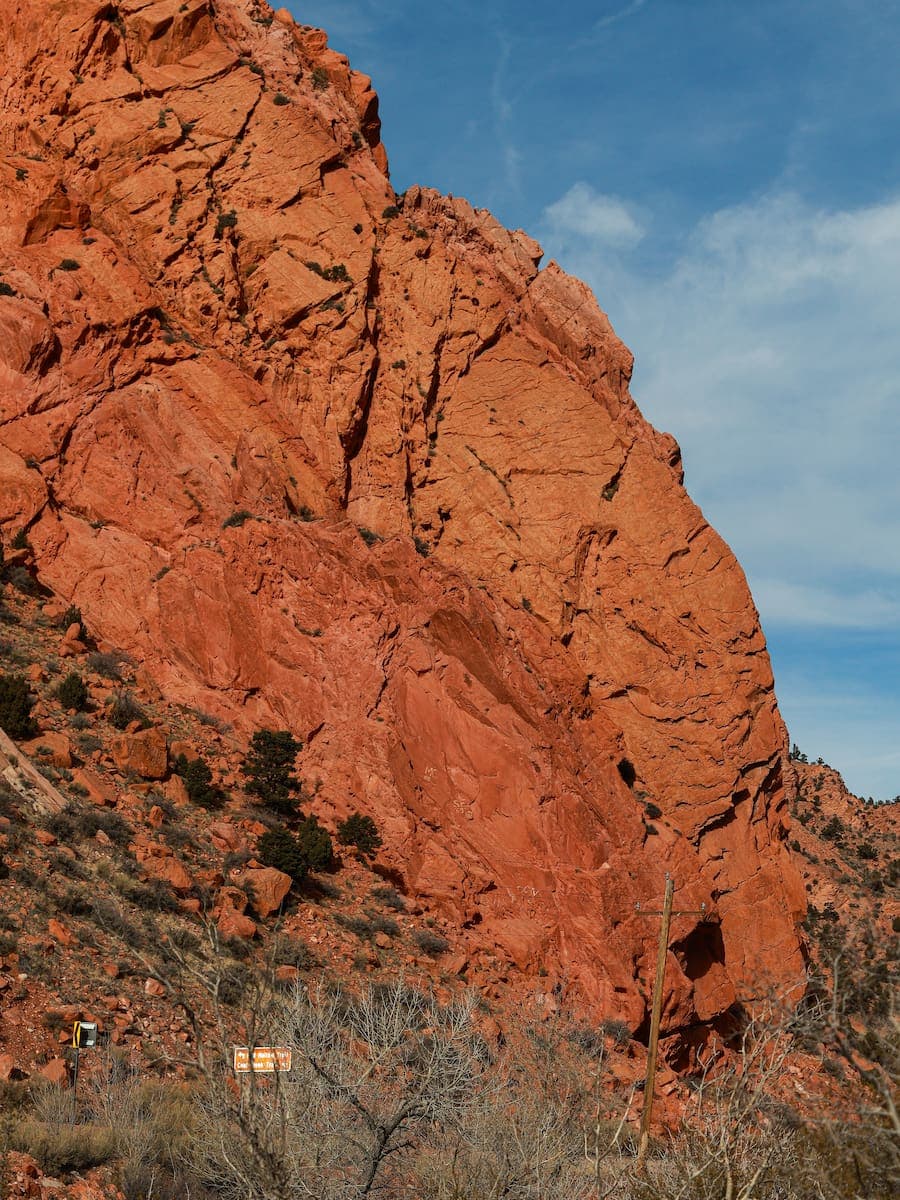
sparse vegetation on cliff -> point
(237, 519)
(198, 780)
(225, 220)
(359, 831)
(73, 693)
(16, 703)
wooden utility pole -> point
(656, 1012)
(655, 1015)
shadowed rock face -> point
(218, 305)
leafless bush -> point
(737, 1142)
(145, 1125)
(106, 663)
(863, 1137)
(370, 1076)
(432, 944)
(533, 1133)
(151, 1123)
(51, 1135)
(124, 709)
(392, 1093)
(742, 1140)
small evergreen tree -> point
(198, 781)
(269, 769)
(315, 844)
(833, 830)
(309, 849)
(361, 832)
(72, 693)
(279, 848)
(16, 704)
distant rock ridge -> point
(324, 457)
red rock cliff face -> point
(214, 302)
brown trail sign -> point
(262, 1058)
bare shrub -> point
(432, 944)
(735, 1142)
(106, 663)
(151, 1123)
(529, 1136)
(389, 897)
(371, 1076)
(124, 709)
(75, 822)
(393, 1093)
(59, 1145)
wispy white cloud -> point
(584, 213)
(622, 14)
(502, 114)
(788, 603)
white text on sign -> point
(262, 1058)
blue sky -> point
(726, 176)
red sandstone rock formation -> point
(214, 304)
(144, 753)
(267, 888)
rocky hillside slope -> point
(849, 855)
(326, 458)
(131, 899)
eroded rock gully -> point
(214, 304)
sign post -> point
(84, 1035)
